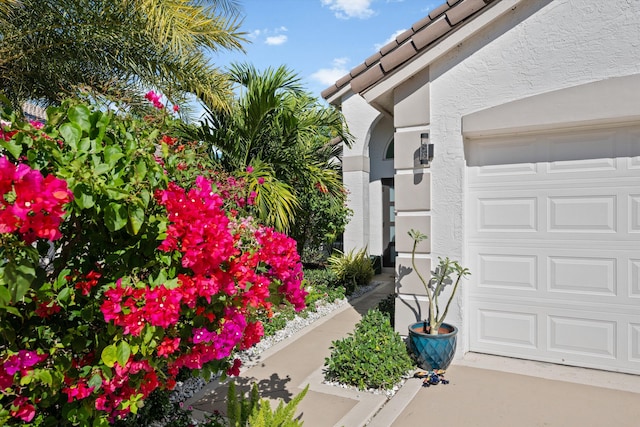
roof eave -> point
(379, 93)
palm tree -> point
(53, 49)
(283, 133)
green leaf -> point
(95, 381)
(136, 219)
(82, 196)
(146, 198)
(141, 169)
(12, 147)
(64, 295)
(45, 376)
(102, 168)
(5, 296)
(80, 115)
(12, 310)
(112, 154)
(115, 216)
(85, 145)
(71, 133)
(19, 275)
(123, 352)
(109, 355)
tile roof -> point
(422, 35)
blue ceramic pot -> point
(433, 351)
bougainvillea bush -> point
(121, 265)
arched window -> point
(389, 153)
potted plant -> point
(432, 341)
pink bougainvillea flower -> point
(168, 346)
(249, 169)
(23, 409)
(46, 309)
(37, 208)
(6, 380)
(90, 280)
(36, 124)
(169, 140)
(22, 361)
(202, 335)
(77, 391)
(234, 370)
(162, 306)
(252, 335)
(176, 108)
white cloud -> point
(345, 9)
(276, 40)
(329, 76)
(390, 39)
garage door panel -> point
(553, 241)
(502, 214)
(634, 213)
(634, 276)
(578, 275)
(558, 335)
(507, 328)
(582, 336)
(584, 214)
(582, 275)
(507, 271)
(563, 214)
(634, 340)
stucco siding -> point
(539, 47)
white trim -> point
(413, 213)
(412, 129)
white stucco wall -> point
(361, 119)
(538, 47)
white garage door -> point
(553, 235)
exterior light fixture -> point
(426, 150)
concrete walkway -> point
(482, 391)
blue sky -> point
(321, 40)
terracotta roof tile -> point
(421, 35)
(373, 59)
(464, 9)
(388, 47)
(367, 78)
(421, 23)
(403, 37)
(431, 33)
(329, 91)
(343, 80)
(439, 11)
(397, 57)
(359, 69)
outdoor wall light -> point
(426, 150)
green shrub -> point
(353, 269)
(322, 277)
(322, 285)
(374, 356)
